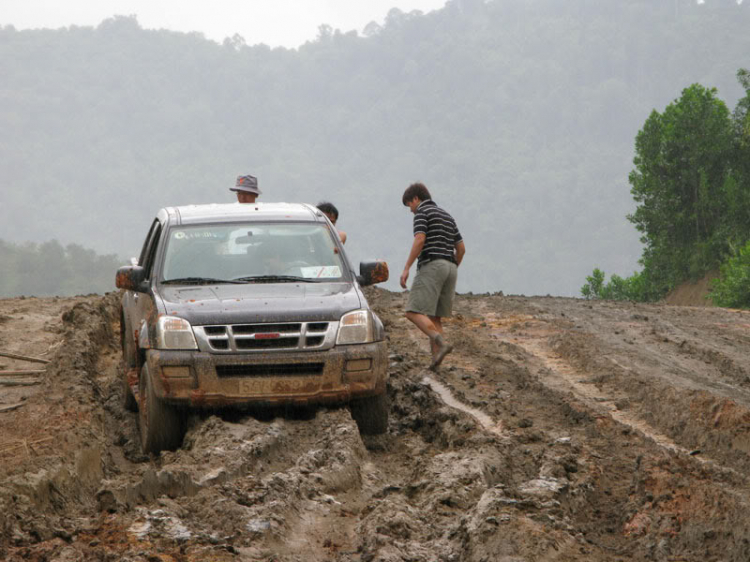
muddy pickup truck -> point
(247, 305)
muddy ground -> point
(559, 429)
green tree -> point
(739, 210)
(732, 288)
(682, 176)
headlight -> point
(355, 327)
(174, 333)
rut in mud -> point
(559, 429)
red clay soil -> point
(693, 293)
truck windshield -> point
(249, 253)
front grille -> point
(280, 343)
(266, 328)
(245, 338)
(275, 370)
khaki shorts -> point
(433, 289)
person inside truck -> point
(330, 211)
(246, 188)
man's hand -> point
(404, 277)
(416, 248)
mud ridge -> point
(56, 484)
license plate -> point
(256, 386)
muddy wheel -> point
(128, 363)
(371, 414)
(160, 424)
(128, 400)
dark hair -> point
(416, 190)
(329, 209)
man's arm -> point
(416, 249)
(460, 251)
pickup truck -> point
(246, 306)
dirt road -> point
(559, 429)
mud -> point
(558, 429)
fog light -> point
(354, 365)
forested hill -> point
(519, 115)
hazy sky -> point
(286, 23)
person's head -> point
(329, 210)
(246, 188)
(415, 194)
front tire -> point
(128, 400)
(160, 423)
(371, 414)
(128, 363)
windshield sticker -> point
(321, 272)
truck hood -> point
(260, 302)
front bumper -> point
(205, 380)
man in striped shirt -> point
(438, 249)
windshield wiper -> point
(272, 278)
(198, 281)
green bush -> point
(594, 283)
(633, 288)
(732, 288)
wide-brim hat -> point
(246, 183)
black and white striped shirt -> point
(440, 230)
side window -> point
(147, 243)
(151, 249)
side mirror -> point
(371, 272)
(130, 278)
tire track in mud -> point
(487, 423)
(716, 483)
(689, 386)
(623, 375)
(559, 375)
(686, 346)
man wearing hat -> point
(246, 188)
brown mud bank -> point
(559, 429)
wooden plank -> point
(16, 382)
(23, 357)
(20, 442)
(25, 373)
(10, 407)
